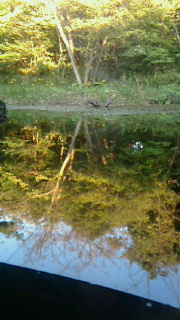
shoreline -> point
(89, 111)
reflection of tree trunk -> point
(88, 136)
(174, 155)
(70, 156)
(71, 160)
(62, 152)
(99, 144)
(99, 60)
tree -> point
(87, 23)
(147, 41)
(123, 35)
(25, 41)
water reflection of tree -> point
(94, 199)
(156, 241)
(72, 253)
(11, 229)
(70, 157)
(61, 245)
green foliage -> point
(141, 53)
(142, 40)
(163, 78)
(168, 94)
(48, 91)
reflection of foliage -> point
(108, 182)
(156, 240)
(9, 228)
(177, 218)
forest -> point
(69, 42)
(97, 169)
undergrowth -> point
(50, 90)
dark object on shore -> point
(33, 295)
(2, 106)
(108, 102)
(3, 111)
(96, 104)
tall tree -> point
(89, 28)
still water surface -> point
(104, 227)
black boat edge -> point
(30, 294)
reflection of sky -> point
(56, 249)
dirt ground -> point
(87, 110)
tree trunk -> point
(89, 63)
(99, 60)
(177, 33)
(67, 43)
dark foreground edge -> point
(29, 295)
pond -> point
(93, 199)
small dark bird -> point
(95, 104)
(107, 103)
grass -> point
(28, 90)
